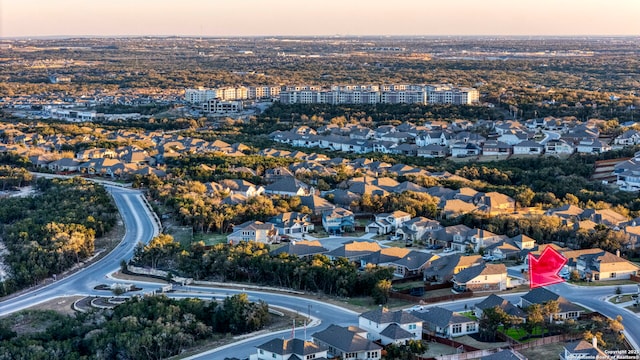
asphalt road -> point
(140, 227)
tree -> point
(535, 317)
(490, 322)
(381, 291)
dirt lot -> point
(544, 352)
(61, 305)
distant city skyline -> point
(32, 18)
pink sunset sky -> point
(326, 17)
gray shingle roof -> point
(414, 260)
(394, 331)
(440, 317)
(383, 316)
(494, 300)
(345, 340)
(291, 346)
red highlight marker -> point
(544, 269)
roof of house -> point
(473, 272)
(584, 347)
(414, 260)
(291, 346)
(394, 331)
(494, 300)
(286, 184)
(301, 248)
(344, 339)
(384, 316)
(440, 317)
(354, 249)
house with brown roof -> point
(581, 349)
(604, 265)
(355, 250)
(495, 203)
(483, 277)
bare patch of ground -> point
(62, 305)
(468, 340)
(544, 352)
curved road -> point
(139, 228)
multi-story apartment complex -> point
(446, 94)
(201, 95)
(341, 94)
(221, 106)
(385, 94)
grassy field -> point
(470, 315)
(623, 298)
(519, 333)
(211, 238)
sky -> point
(30, 18)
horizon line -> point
(23, 37)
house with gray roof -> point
(291, 349)
(541, 296)
(443, 269)
(418, 228)
(493, 301)
(390, 327)
(444, 322)
(301, 249)
(484, 277)
(289, 186)
(338, 220)
(291, 223)
(253, 231)
(348, 343)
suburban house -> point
(452, 208)
(510, 248)
(604, 265)
(302, 249)
(528, 147)
(253, 231)
(347, 343)
(592, 146)
(285, 349)
(355, 250)
(404, 262)
(288, 186)
(495, 203)
(433, 151)
(627, 174)
(417, 228)
(443, 269)
(493, 301)
(64, 164)
(338, 220)
(558, 147)
(628, 138)
(316, 204)
(385, 223)
(461, 149)
(390, 327)
(541, 296)
(483, 277)
(291, 223)
(444, 322)
(242, 187)
(496, 148)
(582, 349)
